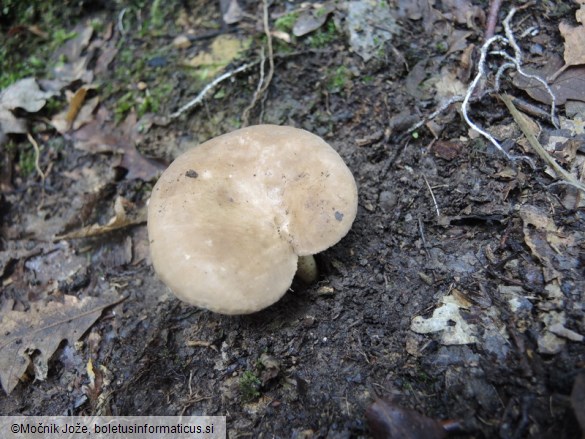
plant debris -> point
(32, 337)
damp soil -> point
(438, 217)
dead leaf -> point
(107, 55)
(79, 112)
(73, 48)
(458, 40)
(370, 25)
(446, 149)
(75, 104)
(42, 329)
(448, 321)
(464, 12)
(24, 94)
(311, 20)
(568, 85)
(76, 66)
(120, 220)
(447, 85)
(574, 40)
(537, 226)
(101, 136)
(231, 11)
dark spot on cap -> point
(338, 215)
(191, 173)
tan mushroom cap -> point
(229, 218)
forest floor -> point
(458, 297)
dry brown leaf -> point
(138, 166)
(540, 235)
(75, 104)
(574, 43)
(120, 220)
(76, 116)
(574, 39)
(107, 55)
(42, 329)
(569, 84)
(464, 12)
(100, 135)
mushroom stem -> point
(307, 269)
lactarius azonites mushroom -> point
(229, 219)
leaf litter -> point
(522, 277)
(39, 332)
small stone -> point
(181, 42)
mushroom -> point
(229, 219)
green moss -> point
(249, 386)
(324, 36)
(26, 161)
(123, 105)
(25, 54)
(442, 47)
(59, 36)
(286, 22)
(367, 79)
(338, 79)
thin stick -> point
(38, 167)
(432, 196)
(521, 121)
(270, 50)
(37, 156)
(246, 113)
(262, 84)
(199, 98)
(492, 20)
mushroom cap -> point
(228, 219)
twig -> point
(492, 20)
(38, 166)
(421, 230)
(522, 123)
(121, 21)
(262, 84)
(199, 98)
(246, 113)
(432, 196)
(270, 50)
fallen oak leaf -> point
(42, 329)
(574, 37)
(565, 84)
(100, 136)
